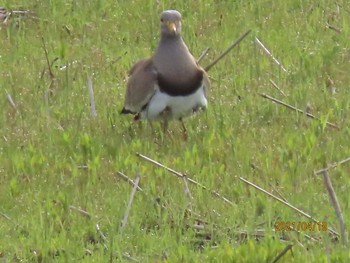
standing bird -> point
(170, 84)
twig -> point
(81, 211)
(127, 256)
(269, 53)
(9, 98)
(207, 68)
(334, 200)
(47, 59)
(278, 88)
(126, 215)
(338, 30)
(100, 232)
(341, 6)
(332, 166)
(20, 12)
(180, 175)
(130, 181)
(216, 213)
(284, 251)
(204, 53)
(5, 216)
(92, 98)
(287, 204)
(104, 238)
(296, 109)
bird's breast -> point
(180, 86)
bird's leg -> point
(165, 115)
(139, 124)
(165, 125)
(153, 132)
(132, 125)
(136, 121)
(184, 130)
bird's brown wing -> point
(141, 86)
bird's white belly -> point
(177, 106)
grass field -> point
(61, 196)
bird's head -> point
(170, 23)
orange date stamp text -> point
(300, 226)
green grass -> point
(54, 155)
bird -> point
(169, 85)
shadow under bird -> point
(170, 84)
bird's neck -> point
(172, 53)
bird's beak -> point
(172, 27)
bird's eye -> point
(161, 20)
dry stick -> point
(284, 251)
(204, 53)
(104, 238)
(269, 53)
(127, 256)
(341, 6)
(296, 109)
(207, 68)
(332, 166)
(92, 98)
(100, 232)
(130, 181)
(9, 98)
(287, 204)
(278, 88)
(47, 59)
(7, 17)
(335, 203)
(126, 215)
(20, 12)
(338, 30)
(180, 175)
(5, 216)
(81, 211)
